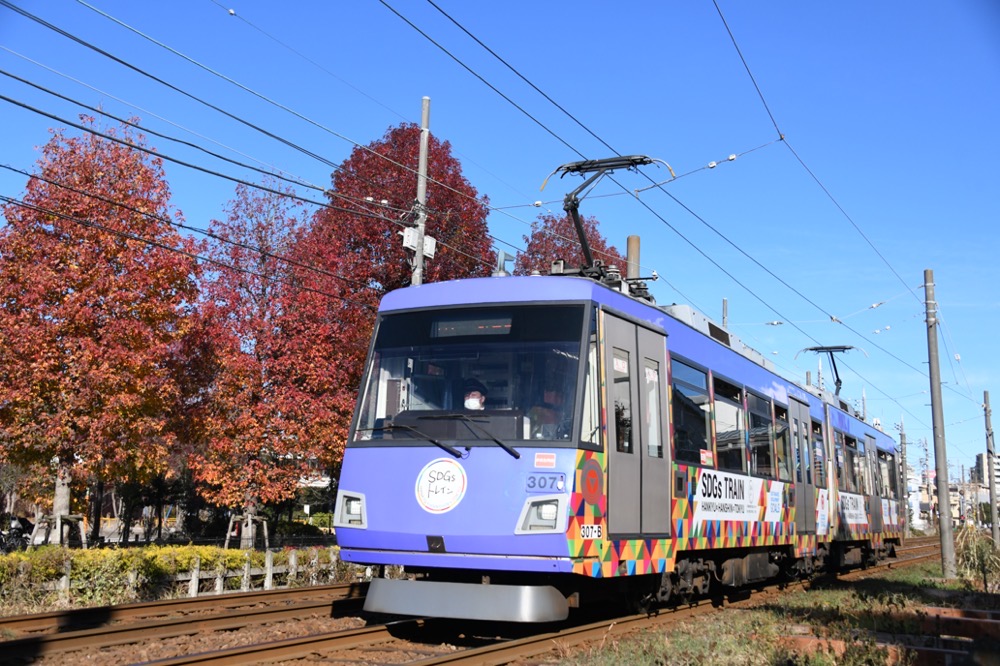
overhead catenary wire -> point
(676, 200)
(815, 178)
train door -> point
(875, 490)
(805, 489)
(638, 466)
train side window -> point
(651, 392)
(590, 432)
(819, 455)
(873, 480)
(845, 474)
(782, 443)
(887, 471)
(849, 480)
(691, 414)
(622, 393)
(761, 436)
(730, 436)
(860, 466)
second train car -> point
(615, 450)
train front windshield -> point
(474, 374)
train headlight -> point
(542, 514)
(547, 511)
(350, 510)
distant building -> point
(980, 473)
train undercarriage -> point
(510, 596)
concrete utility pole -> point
(418, 257)
(991, 462)
(949, 565)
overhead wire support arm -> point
(571, 202)
(830, 351)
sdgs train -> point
(624, 451)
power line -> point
(145, 111)
(189, 144)
(481, 79)
(265, 99)
(196, 257)
(233, 116)
(264, 188)
(181, 225)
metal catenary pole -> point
(948, 564)
(991, 463)
(418, 257)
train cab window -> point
(691, 414)
(782, 443)
(761, 436)
(819, 455)
(525, 359)
(622, 396)
(651, 395)
(887, 473)
(730, 436)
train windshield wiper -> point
(474, 424)
(401, 426)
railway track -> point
(88, 631)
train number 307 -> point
(591, 531)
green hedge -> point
(29, 580)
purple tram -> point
(611, 449)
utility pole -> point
(906, 480)
(991, 462)
(948, 563)
(421, 204)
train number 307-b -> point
(546, 482)
(591, 531)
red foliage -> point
(250, 451)
(555, 238)
(90, 319)
(359, 240)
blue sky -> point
(889, 164)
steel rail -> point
(81, 618)
(34, 646)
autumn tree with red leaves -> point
(95, 296)
(250, 452)
(357, 241)
(555, 238)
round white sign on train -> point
(441, 485)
